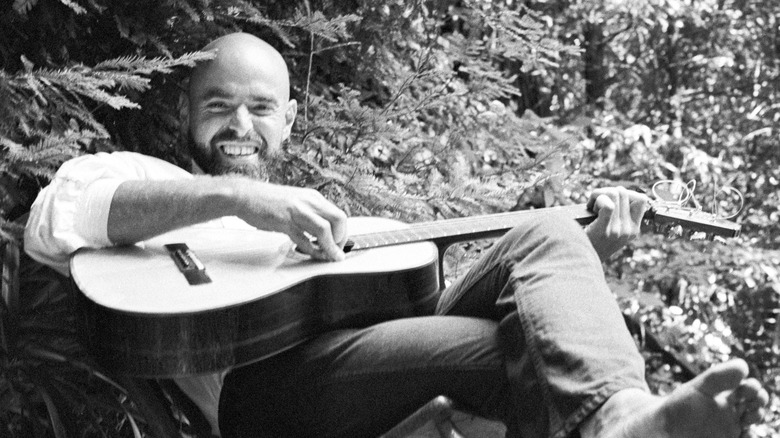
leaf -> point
(28, 65)
(75, 7)
(133, 425)
(54, 415)
(24, 6)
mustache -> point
(228, 135)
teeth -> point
(238, 150)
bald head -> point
(242, 54)
(239, 106)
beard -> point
(261, 165)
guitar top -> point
(242, 264)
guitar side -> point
(143, 318)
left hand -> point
(620, 213)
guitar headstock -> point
(692, 221)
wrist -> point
(257, 203)
(232, 195)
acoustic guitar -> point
(203, 299)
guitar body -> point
(143, 317)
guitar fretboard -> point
(460, 229)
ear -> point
(289, 118)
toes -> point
(749, 400)
(749, 390)
(721, 377)
(754, 413)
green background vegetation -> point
(417, 110)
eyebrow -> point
(218, 93)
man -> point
(531, 335)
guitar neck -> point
(446, 232)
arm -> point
(72, 211)
(620, 213)
(142, 209)
(104, 199)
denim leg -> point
(566, 346)
(362, 382)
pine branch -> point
(75, 7)
(330, 29)
(138, 65)
(22, 7)
(10, 231)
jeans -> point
(531, 335)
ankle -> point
(610, 418)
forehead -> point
(243, 71)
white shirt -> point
(72, 212)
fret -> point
(416, 235)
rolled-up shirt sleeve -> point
(72, 211)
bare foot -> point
(719, 403)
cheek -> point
(272, 128)
(203, 131)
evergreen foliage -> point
(415, 110)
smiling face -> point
(239, 107)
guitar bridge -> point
(188, 263)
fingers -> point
(639, 204)
(619, 219)
(317, 226)
(605, 207)
(620, 210)
(315, 236)
(633, 202)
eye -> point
(217, 107)
(261, 109)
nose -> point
(241, 121)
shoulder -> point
(122, 165)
